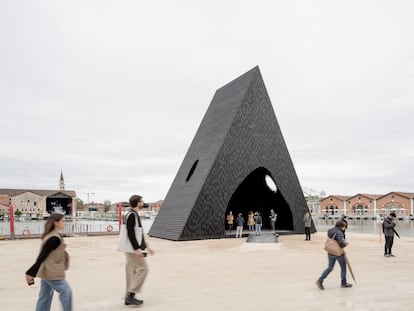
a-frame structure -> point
(237, 145)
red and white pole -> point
(120, 215)
(11, 218)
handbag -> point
(332, 247)
(124, 244)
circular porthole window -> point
(270, 183)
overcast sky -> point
(112, 92)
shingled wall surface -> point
(238, 134)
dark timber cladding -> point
(237, 145)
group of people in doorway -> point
(254, 222)
(53, 260)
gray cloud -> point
(112, 93)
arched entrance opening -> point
(331, 210)
(257, 193)
(360, 209)
(393, 207)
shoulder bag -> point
(124, 244)
(332, 247)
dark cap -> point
(393, 215)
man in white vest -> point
(136, 268)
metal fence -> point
(87, 229)
(32, 229)
(35, 228)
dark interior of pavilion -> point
(256, 194)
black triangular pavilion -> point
(238, 143)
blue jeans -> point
(46, 294)
(258, 229)
(331, 260)
(273, 225)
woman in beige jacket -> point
(51, 265)
(250, 221)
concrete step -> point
(265, 237)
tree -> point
(79, 204)
(107, 206)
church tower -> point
(61, 182)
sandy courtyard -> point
(226, 274)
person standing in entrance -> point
(230, 220)
(389, 231)
(136, 268)
(51, 265)
(240, 224)
(250, 221)
(307, 221)
(258, 223)
(336, 233)
(273, 218)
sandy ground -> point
(226, 274)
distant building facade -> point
(367, 205)
(39, 202)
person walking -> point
(230, 220)
(273, 218)
(240, 224)
(250, 221)
(50, 266)
(388, 226)
(344, 218)
(136, 268)
(258, 223)
(336, 233)
(307, 221)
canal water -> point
(35, 227)
(405, 228)
(367, 226)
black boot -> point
(130, 300)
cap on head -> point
(393, 215)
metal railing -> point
(86, 229)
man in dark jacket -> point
(240, 224)
(389, 231)
(336, 233)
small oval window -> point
(191, 172)
(270, 183)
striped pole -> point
(120, 215)
(11, 218)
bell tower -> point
(61, 181)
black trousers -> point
(307, 232)
(389, 240)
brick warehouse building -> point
(368, 205)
